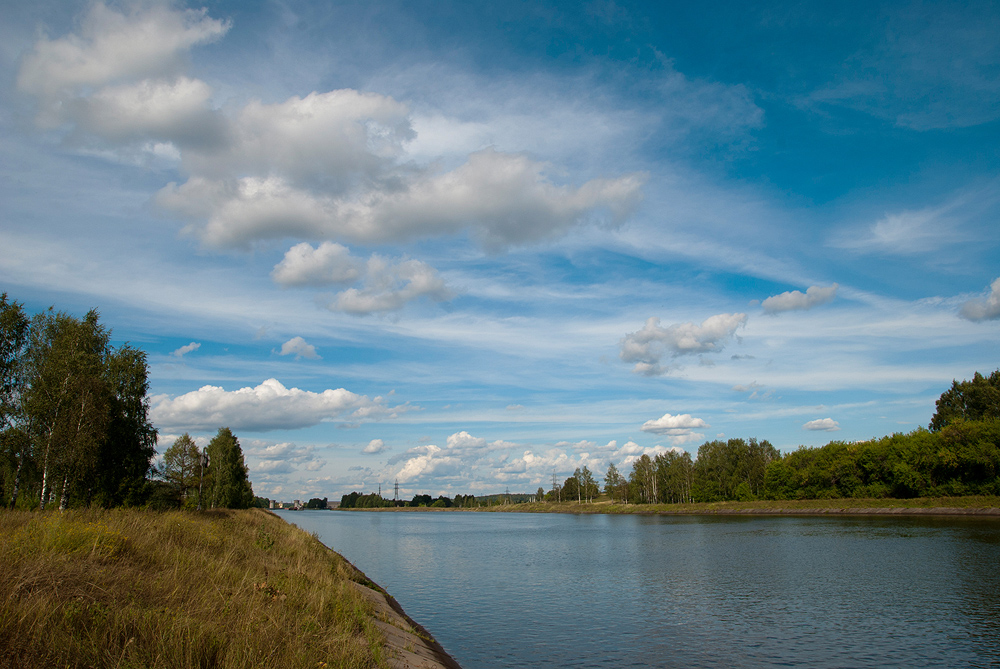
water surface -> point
(554, 590)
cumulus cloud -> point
(268, 406)
(986, 309)
(298, 347)
(648, 346)
(374, 446)
(795, 300)
(822, 425)
(388, 286)
(329, 263)
(267, 458)
(330, 165)
(147, 43)
(461, 456)
(679, 428)
(184, 350)
(505, 199)
(631, 451)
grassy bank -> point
(956, 504)
(143, 589)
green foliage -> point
(961, 459)
(316, 503)
(356, 500)
(74, 420)
(614, 483)
(182, 470)
(978, 399)
(230, 487)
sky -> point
(467, 247)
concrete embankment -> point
(408, 645)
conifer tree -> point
(230, 487)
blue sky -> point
(470, 245)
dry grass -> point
(143, 589)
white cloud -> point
(384, 285)
(298, 347)
(679, 429)
(374, 446)
(329, 263)
(266, 459)
(794, 300)
(647, 346)
(112, 47)
(269, 406)
(987, 309)
(388, 287)
(914, 232)
(330, 165)
(822, 425)
(187, 348)
(174, 111)
(505, 199)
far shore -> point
(988, 507)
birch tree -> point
(13, 440)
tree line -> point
(957, 454)
(75, 427)
(357, 500)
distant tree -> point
(612, 482)
(316, 503)
(977, 399)
(182, 468)
(421, 500)
(261, 503)
(642, 482)
(540, 494)
(588, 486)
(570, 489)
(230, 486)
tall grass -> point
(129, 588)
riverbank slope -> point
(126, 588)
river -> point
(553, 590)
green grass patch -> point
(120, 588)
(771, 506)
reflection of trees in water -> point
(979, 557)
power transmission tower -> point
(395, 495)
